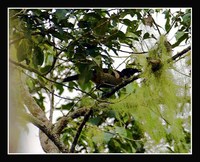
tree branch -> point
(86, 118)
(39, 119)
(25, 67)
(116, 88)
(63, 121)
(125, 82)
(42, 75)
(51, 99)
(154, 23)
(42, 126)
(179, 54)
(134, 53)
(33, 107)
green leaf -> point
(59, 88)
(138, 33)
(60, 30)
(130, 88)
(107, 60)
(92, 17)
(60, 14)
(85, 75)
(64, 23)
(187, 19)
(167, 17)
(49, 58)
(129, 133)
(131, 35)
(107, 136)
(111, 114)
(45, 69)
(58, 35)
(23, 50)
(97, 60)
(95, 120)
(31, 84)
(102, 27)
(146, 36)
(127, 22)
(121, 131)
(114, 145)
(38, 56)
(71, 86)
(180, 36)
(40, 101)
(67, 106)
(167, 25)
(133, 26)
(121, 35)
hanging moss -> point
(155, 104)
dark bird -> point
(106, 78)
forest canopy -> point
(120, 79)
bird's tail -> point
(71, 78)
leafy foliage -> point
(51, 44)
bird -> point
(106, 78)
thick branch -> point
(179, 54)
(54, 137)
(33, 107)
(65, 119)
(47, 144)
(39, 119)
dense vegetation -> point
(148, 112)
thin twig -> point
(155, 24)
(181, 73)
(135, 53)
